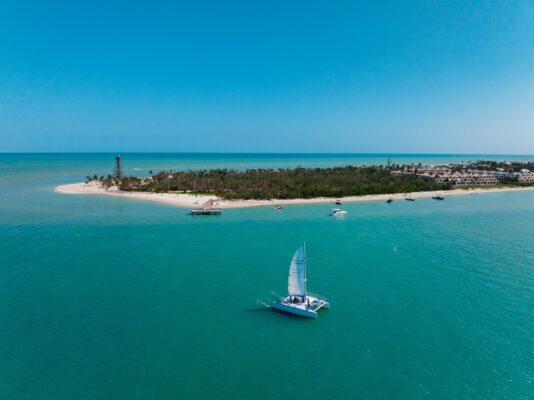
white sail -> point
(296, 283)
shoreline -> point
(193, 201)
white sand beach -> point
(192, 201)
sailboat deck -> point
(302, 309)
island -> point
(227, 188)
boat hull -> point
(294, 310)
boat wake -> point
(263, 303)
(277, 295)
(267, 302)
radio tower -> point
(118, 172)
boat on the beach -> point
(298, 302)
(338, 212)
(278, 207)
(438, 197)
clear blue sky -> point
(267, 76)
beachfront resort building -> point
(463, 175)
(525, 177)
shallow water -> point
(107, 298)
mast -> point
(305, 291)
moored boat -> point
(338, 212)
(438, 197)
(298, 302)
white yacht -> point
(337, 212)
(298, 302)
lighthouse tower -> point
(118, 170)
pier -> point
(201, 211)
(207, 209)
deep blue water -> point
(109, 298)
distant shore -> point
(192, 201)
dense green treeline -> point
(283, 183)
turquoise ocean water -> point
(110, 298)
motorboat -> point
(338, 212)
(298, 302)
(390, 200)
(338, 202)
(409, 198)
(278, 207)
(438, 197)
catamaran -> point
(298, 302)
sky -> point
(267, 76)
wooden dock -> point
(201, 211)
(207, 209)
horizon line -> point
(258, 153)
